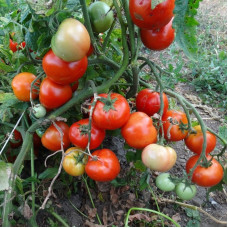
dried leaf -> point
(90, 224)
(114, 197)
(120, 212)
(91, 211)
(176, 217)
(140, 217)
(26, 211)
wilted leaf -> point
(5, 171)
(139, 217)
(105, 216)
(91, 211)
(176, 217)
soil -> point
(112, 203)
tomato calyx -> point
(205, 162)
(84, 129)
(108, 103)
(79, 158)
(95, 158)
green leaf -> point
(193, 223)
(5, 67)
(49, 173)
(192, 213)
(223, 132)
(7, 96)
(118, 182)
(143, 182)
(185, 26)
(140, 166)
(5, 171)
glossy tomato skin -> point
(139, 130)
(159, 158)
(53, 95)
(21, 85)
(185, 192)
(176, 134)
(79, 135)
(13, 46)
(62, 72)
(106, 168)
(194, 142)
(202, 176)
(51, 138)
(160, 39)
(165, 183)
(101, 16)
(145, 17)
(112, 119)
(148, 101)
(17, 139)
(72, 41)
(74, 163)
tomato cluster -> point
(154, 21)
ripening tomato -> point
(205, 176)
(79, 134)
(148, 101)
(159, 158)
(104, 166)
(72, 41)
(111, 111)
(139, 130)
(53, 95)
(194, 141)
(74, 162)
(145, 14)
(179, 120)
(21, 85)
(160, 39)
(62, 72)
(101, 16)
(16, 140)
(51, 138)
(13, 45)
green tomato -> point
(164, 182)
(72, 41)
(39, 111)
(185, 192)
(101, 16)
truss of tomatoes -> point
(154, 21)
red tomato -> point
(53, 95)
(51, 138)
(148, 101)
(36, 140)
(91, 50)
(63, 72)
(13, 46)
(144, 16)
(17, 140)
(22, 45)
(105, 168)
(139, 130)
(194, 142)
(158, 40)
(79, 134)
(111, 112)
(159, 158)
(11, 157)
(21, 85)
(74, 86)
(202, 176)
(175, 133)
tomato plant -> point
(111, 111)
(104, 166)
(145, 15)
(164, 182)
(79, 134)
(62, 72)
(53, 95)
(148, 101)
(74, 161)
(205, 176)
(160, 39)
(101, 16)
(185, 191)
(139, 130)
(21, 85)
(72, 41)
(14, 45)
(194, 141)
(51, 138)
(159, 158)
(178, 120)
